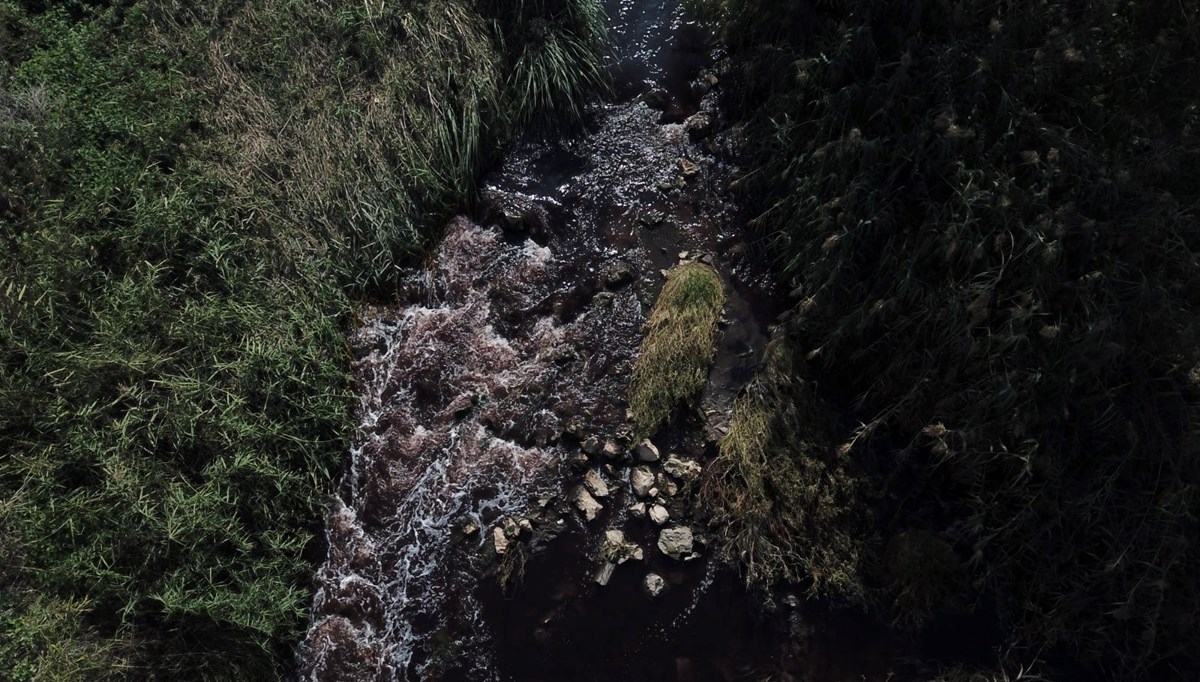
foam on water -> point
(465, 393)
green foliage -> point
(187, 193)
(987, 216)
(677, 352)
(788, 504)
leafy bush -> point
(986, 213)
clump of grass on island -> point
(678, 349)
(787, 503)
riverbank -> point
(986, 217)
(193, 198)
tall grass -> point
(191, 196)
(677, 352)
(789, 504)
(987, 216)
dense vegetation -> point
(673, 362)
(192, 195)
(987, 216)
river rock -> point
(652, 218)
(592, 445)
(617, 549)
(645, 451)
(659, 515)
(586, 504)
(499, 540)
(641, 480)
(638, 510)
(666, 485)
(654, 584)
(687, 167)
(698, 126)
(611, 450)
(595, 484)
(605, 573)
(686, 470)
(617, 273)
(675, 542)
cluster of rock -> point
(650, 487)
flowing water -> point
(478, 384)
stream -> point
(507, 352)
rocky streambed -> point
(497, 520)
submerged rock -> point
(646, 451)
(638, 510)
(676, 542)
(592, 445)
(586, 504)
(653, 584)
(687, 167)
(658, 98)
(652, 218)
(666, 485)
(611, 450)
(616, 273)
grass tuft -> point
(788, 505)
(678, 349)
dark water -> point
(514, 345)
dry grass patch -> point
(678, 349)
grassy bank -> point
(677, 352)
(191, 198)
(987, 213)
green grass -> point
(192, 196)
(677, 352)
(987, 215)
(788, 504)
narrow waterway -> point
(512, 348)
